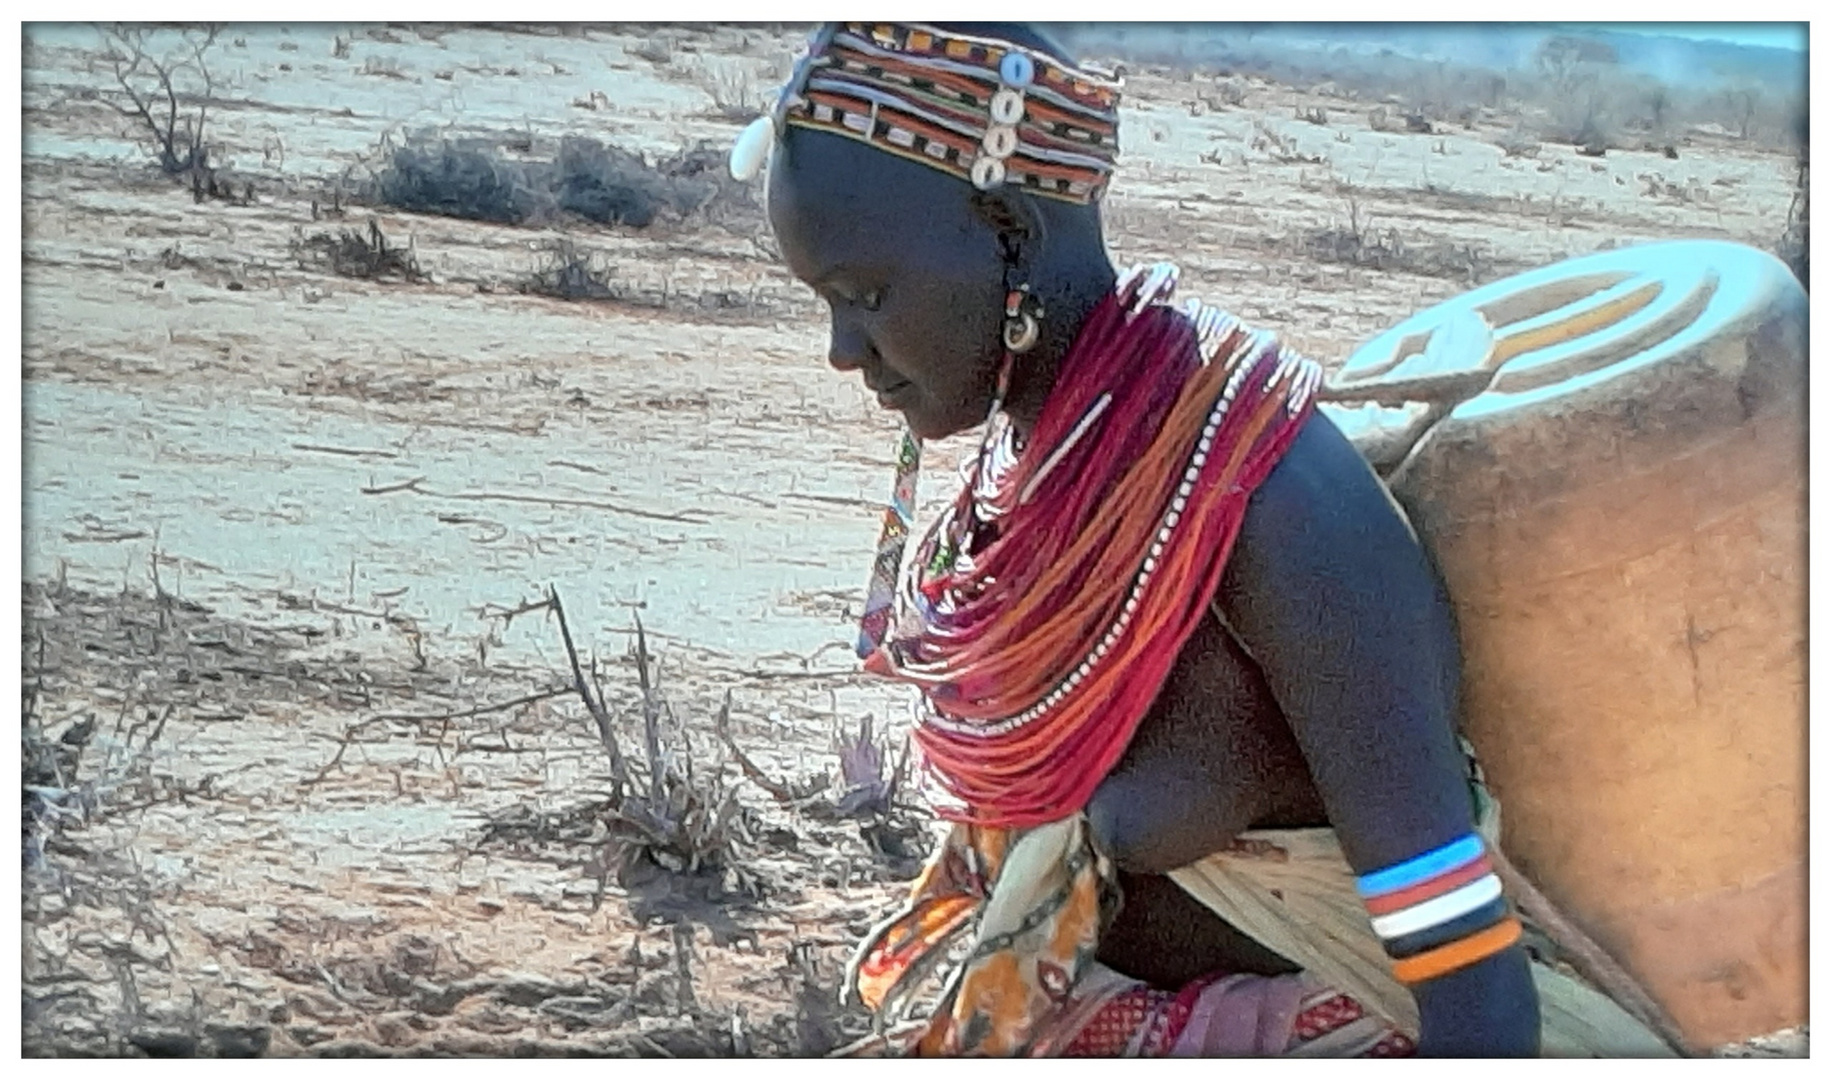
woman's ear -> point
(1016, 220)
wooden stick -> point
(1589, 958)
(595, 706)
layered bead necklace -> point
(1043, 611)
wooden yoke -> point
(1607, 459)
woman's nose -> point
(849, 348)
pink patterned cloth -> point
(1110, 1015)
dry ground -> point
(275, 518)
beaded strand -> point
(1019, 717)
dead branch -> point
(177, 142)
(348, 451)
(650, 1045)
(414, 485)
(651, 716)
(782, 793)
(508, 615)
(683, 951)
(831, 500)
(594, 703)
(460, 714)
(444, 719)
(575, 465)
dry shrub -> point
(663, 817)
(487, 180)
(567, 272)
(83, 780)
(354, 254)
(735, 93)
(167, 92)
(1794, 248)
(657, 49)
(1517, 143)
(466, 178)
(1359, 243)
(1227, 93)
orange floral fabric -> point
(1023, 951)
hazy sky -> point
(1772, 35)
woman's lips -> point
(891, 397)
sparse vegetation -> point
(567, 272)
(735, 92)
(1280, 147)
(366, 255)
(489, 180)
(1226, 93)
(657, 48)
(1357, 242)
(1795, 247)
(1574, 89)
(1516, 143)
(166, 88)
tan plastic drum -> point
(1607, 459)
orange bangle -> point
(1457, 954)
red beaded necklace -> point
(1050, 601)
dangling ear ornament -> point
(1022, 329)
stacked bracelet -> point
(1440, 911)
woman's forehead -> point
(834, 201)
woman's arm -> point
(1336, 601)
(1338, 607)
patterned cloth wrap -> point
(1019, 912)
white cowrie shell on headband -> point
(1007, 106)
(988, 172)
(1000, 140)
(752, 148)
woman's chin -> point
(929, 427)
(930, 420)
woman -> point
(1174, 604)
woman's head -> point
(914, 262)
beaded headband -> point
(990, 112)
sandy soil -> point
(275, 517)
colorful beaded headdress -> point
(988, 111)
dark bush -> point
(465, 179)
(607, 184)
(353, 254)
(477, 179)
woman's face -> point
(913, 276)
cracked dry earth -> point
(236, 885)
(296, 782)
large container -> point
(1607, 459)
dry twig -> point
(594, 703)
(783, 793)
